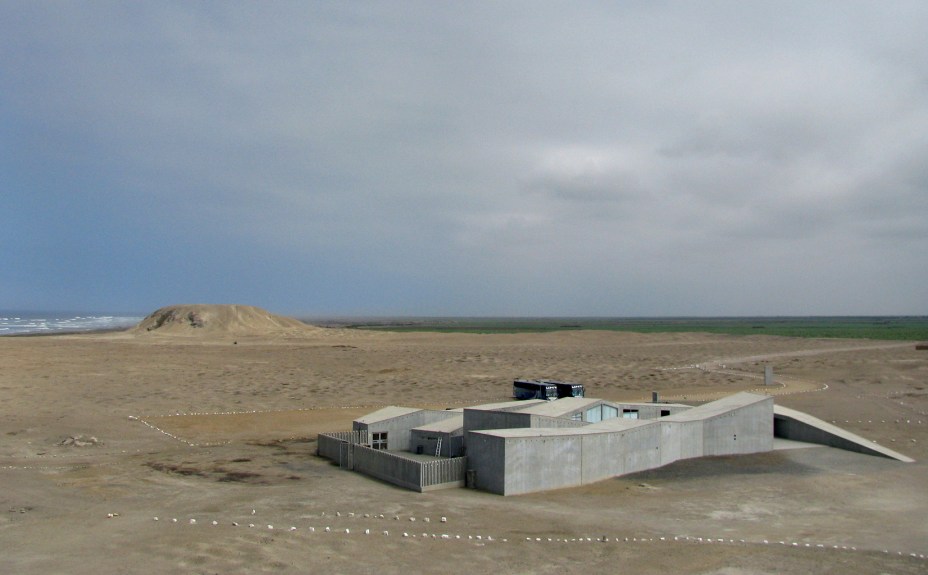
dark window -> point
(665, 412)
(379, 440)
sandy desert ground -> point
(219, 430)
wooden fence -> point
(348, 450)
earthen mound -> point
(218, 320)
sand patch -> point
(259, 426)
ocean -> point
(32, 323)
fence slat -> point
(388, 466)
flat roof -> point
(560, 407)
(386, 413)
(449, 425)
(718, 407)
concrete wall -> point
(680, 440)
(515, 465)
(788, 428)
(814, 430)
(620, 452)
(451, 445)
(747, 429)
(478, 419)
(487, 459)
(398, 428)
(554, 422)
(541, 463)
(649, 410)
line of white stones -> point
(768, 390)
(52, 467)
(88, 455)
(482, 539)
(765, 390)
(211, 413)
(167, 433)
(894, 397)
(895, 421)
(316, 408)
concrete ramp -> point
(798, 426)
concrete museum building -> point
(517, 447)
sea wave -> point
(24, 324)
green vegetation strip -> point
(913, 328)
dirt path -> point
(783, 385)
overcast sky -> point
(466, 158)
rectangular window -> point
(630, 413)
(379, 440)
(665, 412)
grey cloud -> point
(471, 148)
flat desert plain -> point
(215, 437)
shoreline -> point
(97, 331)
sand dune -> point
(219, 320)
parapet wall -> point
(477, 419)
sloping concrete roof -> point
(646, 404)
(450, 425)
(620, 423)
(513, 405)
(834, 430)
(534, 431)
(386, 413)
(560, 407)
(558, 431)
(718, 407)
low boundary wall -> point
(328, 445)
(443, 473)
(348, 450)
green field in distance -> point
(905, 328)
